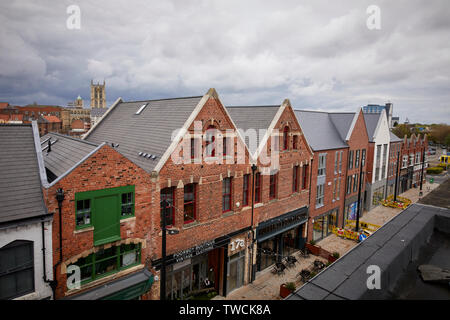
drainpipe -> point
(396, 176)
(309, 198)
(60, 199)
(359, 194)
(43, 254)
(254, 168)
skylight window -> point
(141, 108)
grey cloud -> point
(318, 54)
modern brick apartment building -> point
(395, 147)
(339, 142)
(101, 204)
(411, 161)
(378, 157)
(281, 187)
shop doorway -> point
(235, 276)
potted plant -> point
(286, 289)
(333, 257)
(311, 246)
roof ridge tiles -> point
(163, 99)
(75, 139)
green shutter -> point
(105, 212)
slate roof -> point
(342, 121)
(371, 120)
(394, 138)
(20, 183)
(319, 130)
(65, 152)
(391, 248)
(149, 132)
(252, 117)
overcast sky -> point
(319, 54)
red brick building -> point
(102, 235)
(411, 162)
(283, 160)
(339, 142)
(395, 147)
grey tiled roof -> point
(371, 120)
(342, 121)
(319, 130)
(252, 117)
(149, 132)
(65, 152)
(20, 184)
(394, 138)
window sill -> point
(246, 208)
(273, 200)
(128, 219)
(319, 206)
(86, 229)
(190, 225)
(259, 204)
(227, 214)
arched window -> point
(16, 269)
(295, 142)
(286, 138)
(210, 139)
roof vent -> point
(153, 157)
(149, 155)
(141, 153)
(141, 108)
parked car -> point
(431, 151)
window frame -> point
(228, 194)
(16, 270)
(273, 186)
(84, 211)
(132, 204)
(245, 190)
(192, 202)
(172, 189)
(258, 177)
(210, 140)
(295, 179)
(295, 142)
(286, 138)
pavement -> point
(267, 285)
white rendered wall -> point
(33, 232)
(381, 137)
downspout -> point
(309, 197)
(54, 282)
(254, 168)
(43, 254)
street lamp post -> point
(421, 172)
(165, 205)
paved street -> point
(267, 286)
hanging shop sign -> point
(194, 251)
(282, 223)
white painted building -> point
(379, 142)
(25, 225)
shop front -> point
(323, 224)
(280, 237)
(350, 211)
(214, 266)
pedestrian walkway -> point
(266, 286)
(378, 215)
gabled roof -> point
(20, 180)
(344, 123)
(371, 120)
(66, 152)
(253, 117)
(319, 130)
(394, 138)
(149, 132)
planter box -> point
(284, 292)
(315, 250)
(331, 258)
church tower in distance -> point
(98, 96)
